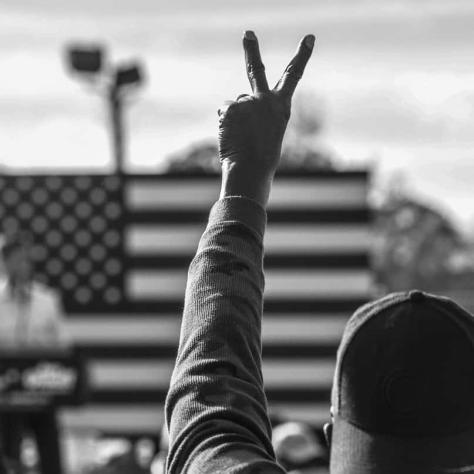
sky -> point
(395, 79)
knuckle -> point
(242, 97)
(228, 110)
(231, 108)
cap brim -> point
(354, 451)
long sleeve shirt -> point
(216, 408)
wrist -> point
(238, 180)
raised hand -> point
(251, 128)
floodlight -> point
(128, 75)
(86, 59)
(113, 82)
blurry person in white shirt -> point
(30, 318)
(30, 313)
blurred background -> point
(390, 90)
(391, 81)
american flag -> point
(117, 247)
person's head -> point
(403, 391)
(16, 256)
(297, 448)
(158, 465)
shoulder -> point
(3, 287)
(43, 294)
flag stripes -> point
(288, 239)
(277, 305)
(169, 283)
(148, 351)
(142, 329)
(313, 192)
(323, 216)
(146, 374)
(284, 394)
(118, 248)
(325, 261)
(142, 419)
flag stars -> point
(98, 196)
(54, 238)
(83, 183)
(53, 183)
(98, 281)
(69, 281)
(113, 266)
(112, 295)
(39, 252)
(98, 224)
(97, 252)
(54, 267)
(24, 183)
(40, 196)
(111, 238)
(69, 224)
(68, 252)
(83, 295)
(112, 210)
(72, 220)
(54, 210)
(25, 211)
(83, 238)
(83, 266)
(10, 197)
(83, 210)
(39, 225)
(69, 196)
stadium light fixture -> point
(86, 59)
(112, 82)
(128, 75)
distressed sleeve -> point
(216, 409)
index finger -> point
(254, 64)
(294, 71)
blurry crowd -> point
(298, 447)
(28, 442)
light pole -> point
(113, 82)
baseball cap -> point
(403, 391)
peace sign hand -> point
(251, 128)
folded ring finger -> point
(243, 97)
(225, 106)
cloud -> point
(58, 144)
(392, 23)
(397, 76)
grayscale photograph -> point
(237, 237)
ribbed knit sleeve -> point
(216, 408)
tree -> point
(302, 149)
(414, 245)
(200, 156)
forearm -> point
(254, 184)
(216, 392)
(216, 407)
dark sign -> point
(36, 380)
